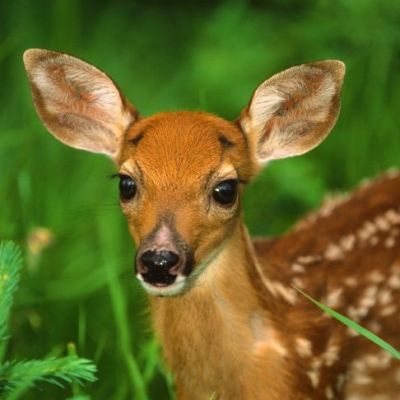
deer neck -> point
(223, 301)
(221, 316)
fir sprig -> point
(18, 376)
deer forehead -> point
(185, 148)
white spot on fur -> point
(277, 289)
(334, 252)
(265, 338)
(331, 202)
(394, 281)
(353, 313)
(358, 365)
(385, 297)
(366, 231)
(393, 217)
(378, 361)
(382, 223)
(314, 378)
(362, 380)
(350, 281)
(310, 259)
(298, 268)
(333, 299)
(366, 302)
(347, 242)
(331, 354)
(388, 310)
(361, 370)
(376, 277)
(390, 242)
(298, 282)
(368, 299)
(303, 347)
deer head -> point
(182, 173)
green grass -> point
(354, 326)
(17, 377)
(81, 288)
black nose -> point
(163, 259)
(157, 267)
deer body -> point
(275, 344)
(225, 309)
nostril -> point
(163, 259)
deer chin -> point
(175, 288)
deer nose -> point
(159, 268)
(163, 259)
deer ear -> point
(292, 112)
(79, 104)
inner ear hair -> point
(292, 112)
(79, 104)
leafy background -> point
(60, 205)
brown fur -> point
(238, 329)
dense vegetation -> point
(16, 376)
(61, 207)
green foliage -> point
(16, 377)
(78, 284)
(10, 266)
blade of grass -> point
(353, 325)
(119, 306)
(10, 266)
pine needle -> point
(17, 377)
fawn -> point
(224, 308)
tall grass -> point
(79, 284)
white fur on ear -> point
(292, 112)
(78, 103)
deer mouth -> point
(175, 286)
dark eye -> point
(225, 192)
(127, 187)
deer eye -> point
(225, 192)
(127, 187)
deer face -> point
(182, 173)
(187, 170)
